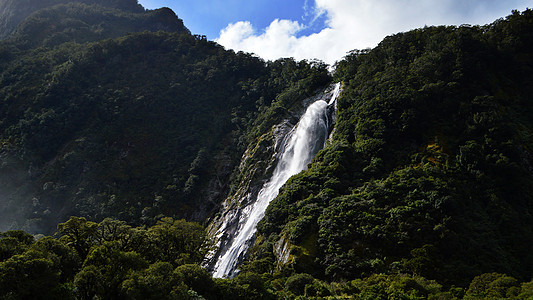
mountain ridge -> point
(13, 12)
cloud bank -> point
(358, 24)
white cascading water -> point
(303, 143)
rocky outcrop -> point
(255, 168)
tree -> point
(127, 238)
(176, 241)
(29, 276)
(196, 278)
(493, 286)
(78, 233)
(65, 258)
(159, 281)
(105, 268)
(14, 242)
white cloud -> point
(359, 24)
(276, 41)
(234, 34)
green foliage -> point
(245, 286)
(176, 241)
(79, 234)
(50, 268)
(526, 290)
(107, 260)
(159, 281)
(395, 287)
(64, 257)
(14, 242)
(430, 153)
(105, 268)
(297, 283)
(123, 236)
(29, 275)
(197, 279)
(13, 12)
(88, 282)
(493, 286)
(77, 22)
(126, 127)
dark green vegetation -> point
(429, 171)
(136, 127)
(108, 110)
(14, 12)
(109, 260)
(112, 260)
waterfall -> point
(301, 144)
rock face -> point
(256, 167)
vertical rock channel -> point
(297, 149)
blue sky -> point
(323, 29)
(208, 17)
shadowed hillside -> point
(13, 12)
(136, 127)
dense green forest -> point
(429, 169)
(112, 260)
(14, 12)
(121, 117)
(136, 127)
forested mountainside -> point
(13, 12)
(137, 127)
(122, 118)
(429, 170)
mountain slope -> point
(13, 12)
(136, 127)
(429, 170)
(79, 23)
